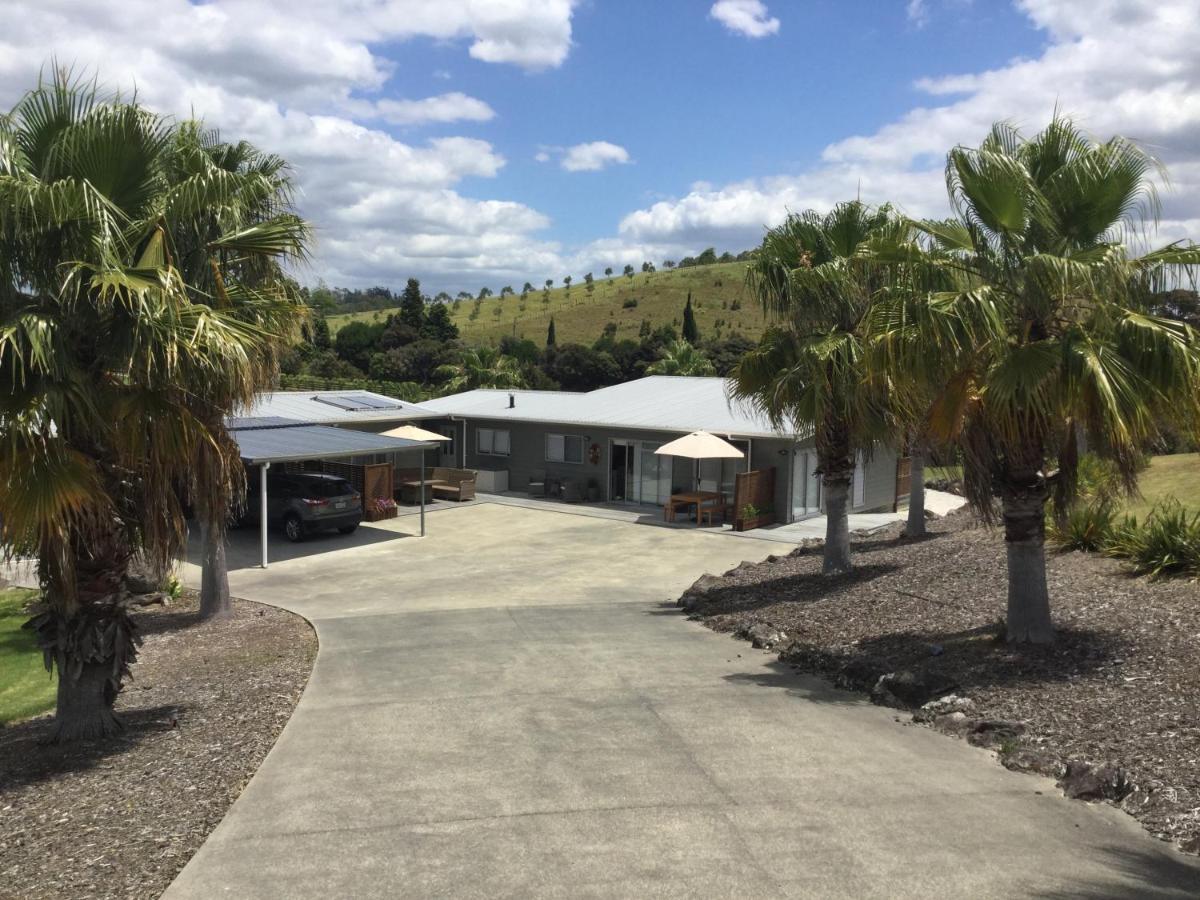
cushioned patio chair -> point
(537, 483)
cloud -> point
(593, 156)
(1151, 95)
(917, 12)
(384, 209)
(746, 17)
(453, 107)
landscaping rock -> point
(1026, 759)
(908, 688)
(762, 636)
(993, 732)
(949, 704)
(1084, 781)
(694, 595)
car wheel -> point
(348, 529)
(293, 529)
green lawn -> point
(580, 317)
(1175, 476)
(26, 688)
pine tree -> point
(551, 340)
(412, 305)
(691, 333)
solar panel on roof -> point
(357, 402)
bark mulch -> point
(1112, 709)
(120, 818)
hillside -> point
(581, 317)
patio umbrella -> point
(413, 433)
(700, 445)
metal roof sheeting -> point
(283, 440)
(655, 403)
(322, 407)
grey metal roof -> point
(655, 403)
(327, 407)
(282, 440)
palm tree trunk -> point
(837, 524)
(214, 579)
(84, 708)
(1029, 619)
(916, 494)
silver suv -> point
(305, 502)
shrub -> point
(629, 303)
(1166, 543)
(1087, 526)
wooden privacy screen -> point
(756, 488)
(903, 480)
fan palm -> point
(809, 369)
(1047, 337)
(482, 367)
(681, 358)
(136, 310)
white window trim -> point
(493, 432)
(569, 462)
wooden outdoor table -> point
(689, 499)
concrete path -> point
(511, 708)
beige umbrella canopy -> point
(413, 433)
(699, 445)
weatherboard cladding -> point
(656, 403)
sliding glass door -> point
(638, 474)
(806, 484)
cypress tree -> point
(690, 332)
(412, 305)
(551, 340)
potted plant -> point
(750, 516)
(381, 508)
(593, 490)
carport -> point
(264, 441)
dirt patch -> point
(121, 818)
(1117, 695)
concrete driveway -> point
(510, 708)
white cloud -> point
(452, 107)
(1116, 66)
(542, 156)
(593, 156)
(302, 82)
(917, 12)
(746, 17)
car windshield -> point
(325, 487)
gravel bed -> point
(1118, 694)
(120, 818)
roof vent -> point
(512, 401)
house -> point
(606, 440)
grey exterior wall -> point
(528, 456)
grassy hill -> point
(580, 317)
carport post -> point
(262, 509)
(421, 488)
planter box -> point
(374, 515)
(742, 524)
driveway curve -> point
(511, 707)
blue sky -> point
(489, 142)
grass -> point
(1175, 476)
(943, 473)
(26, 689)
(580, 317)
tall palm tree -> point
(809, 369)
(113, 367)
(482, 367)
(1048, 337)
(681, 358)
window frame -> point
(492, 451)
(565, 438)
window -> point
(494, 441)
(564, 448)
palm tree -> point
(113, 364)
(809, 370)
(1048, 337)
(681, 358)
(482, 367)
